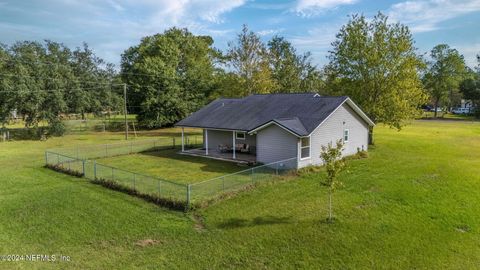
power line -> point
(45, 77)
(56, 90)
(62, 64)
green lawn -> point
(449, 116)
(172, 166)
(413, 204)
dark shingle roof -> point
(300, 113)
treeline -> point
(174, 73)
(373, 61)
(44, 81)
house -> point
(267, 128)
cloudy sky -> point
(111, 26)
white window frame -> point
(302, 147)
(244, 135)
(348, 135)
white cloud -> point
(426, 15)
(111, 26)
(317, 40)
(314, 7)
(269, 32)
(470, 53)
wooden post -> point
(233, 144)
(125, 109)
(206, 142)
(183, 140)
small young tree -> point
(332, 159)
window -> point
(346, 135)
(305, 147)
(240, 135)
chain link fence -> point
(81, 161)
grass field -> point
(412, 204)
(169, 165)
(449, 116)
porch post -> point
(206, 142)
(233, 146)
(183, 141)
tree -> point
(291, 72)
(376, 64)
(42, 81)
(334, 164)
(171, 75)
(248, 57)
(446, 70)
(7, 97)
(470, 88)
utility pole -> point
(125, 109)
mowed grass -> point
(413, 204)
(170, 165)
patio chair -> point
(245, 149)
(223, 148)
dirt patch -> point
(199, 224)
(147, 242)
(462, 228)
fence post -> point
(134, 180)
(154, 145)
(188, 195)
(158, 188)
(173, 142)
(223, 183)
(113, 176)
(46, 158)
(94, 170)
(276, 169)
(106, 150)
(58, 159)
(83, 167)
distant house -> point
(274, 127)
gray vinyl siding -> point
(217, 137)
(275, 144)
(332, 130)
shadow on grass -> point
(206, 164)
(234, 223)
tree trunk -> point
(370, 136)
(330, 205)
(436, 106)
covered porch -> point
(229, 145)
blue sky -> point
(111, 26)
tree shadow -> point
(234, 223)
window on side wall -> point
(305, 148)
(346, 135)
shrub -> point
(56, 128)
(59, 168)
(165, 202)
